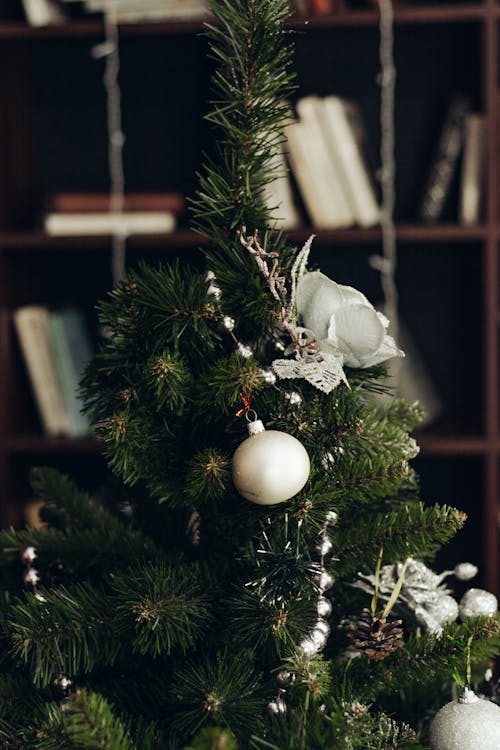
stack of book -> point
(83, 213)
(44, 12)
(133, 11)
(56, 346)
(459, 155)
(329, 158)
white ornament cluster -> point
(424, 594)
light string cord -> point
(110, 50)
(388, 262)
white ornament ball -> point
(270, 467)
(465, 571)
(473, 724)
(476, 602)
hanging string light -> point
(110, 51)
(387, 262)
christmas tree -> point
(268, 590)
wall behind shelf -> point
(433, 61)
(164, 99)
(439, 288)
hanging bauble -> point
(477, 602)
(466, 724)
(270, 466)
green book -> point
(73, 348)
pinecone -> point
(375, 638)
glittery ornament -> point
(439, 613)
(465, 571)
(476, 602)
(270, 466)
(466, 724)
(422, 594)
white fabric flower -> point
(344, 321)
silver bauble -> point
(476, 602)
(325, 546)
(318, 638)
(308, 647)
(467, 724)
(322, 626)
(324, 580)
(270, 466)
(324, 607)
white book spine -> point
(83, 224)
(472, 178)
(344, 146)
(278, 194)
(302, 169)
(32, 327)
(336, 211)
(41, 12)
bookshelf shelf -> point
(421, 14)
(447, 233)
(53, 138)
(41, 445)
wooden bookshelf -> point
(449, 274)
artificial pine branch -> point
(86, 722)
(411, 530)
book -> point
(278, 195)
(101, 223)
(42, 12)
(445, 161)
(142, 10)
(302, 170)
(322, 7)
(73, 349)
(88, 202)
(324, 195)
(346, 138)
(473, 169)
(33, 331)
